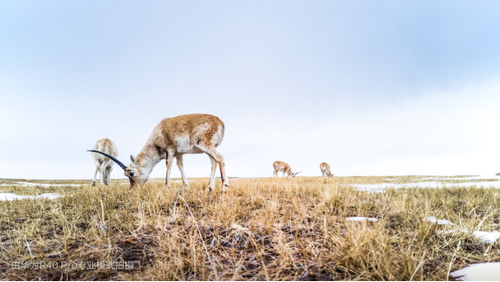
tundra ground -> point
(260, 229)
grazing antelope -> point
(174, 137)
(325, 170)
(103, 164)
(284, 167)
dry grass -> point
(260, 229)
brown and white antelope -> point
(325, 170)
(283, 167)
(174, 137)
(103, 164)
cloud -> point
(375, 89)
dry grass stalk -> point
(260, 229)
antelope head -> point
(133, 171)
(292, 175)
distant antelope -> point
(325, 170)
(284, 167)
(174, 137)
(103, 164)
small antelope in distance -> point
(174, 137)
(284, 167)
(325, 170)
(103, 164)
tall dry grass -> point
(260, 229)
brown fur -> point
(284, 167)
(325, 170)
(176, 136)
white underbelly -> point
(188, 150)
(183, 145)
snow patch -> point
(371, 190)
(487, 237)
(12, 196)
(380, 187)
(474, 177)
(38, 184)
(438, 221)
(479, 272)
(361, 218)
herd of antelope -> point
(174, 137)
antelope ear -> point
(133, 159)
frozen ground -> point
(22, 183)
(484, 176)
(12, 196)
(380, 187)
(479, 181)
(488, 237)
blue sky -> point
(373, 88)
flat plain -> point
(306, 228)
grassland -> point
(260, 229)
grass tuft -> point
(260, 229)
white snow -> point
(484, 236)
(438, 221)
(38, 184)
(487, 237)
(479, 272)
(371, 190)
(484, 176)
(12, 196)
(474, 177)
(361, 218)
(379, 187)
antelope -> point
(103, 164)
(285, 168)
(174, 137)
(325, 170)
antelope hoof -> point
(93, 183)
(210, 188)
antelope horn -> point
(297, 173)
(111, 157)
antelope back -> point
(106, 146)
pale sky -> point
(371, 87)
